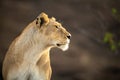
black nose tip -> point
(69, 37)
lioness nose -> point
(69, 36)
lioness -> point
(28, 56)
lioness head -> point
(55, 34)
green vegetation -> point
(116, 13)
(114, 10)
(108, 38)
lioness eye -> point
(56, 26)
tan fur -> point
(28, 56)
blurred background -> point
(94, 52)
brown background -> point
(88, 58)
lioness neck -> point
(31, 44)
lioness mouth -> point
(60, 44)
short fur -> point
(28, 56)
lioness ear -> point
(42, 19)
(53, 18)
